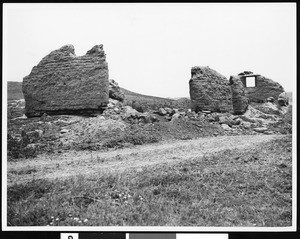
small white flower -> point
(76, 218)
(85, 220)
(57, 219)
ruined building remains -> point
(63, 83)
(260, 88)
(209, 90)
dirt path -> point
(74, 163)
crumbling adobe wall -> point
(115, 92)
(209, 90)
(239, 98)
(63, 83)
(264, 88)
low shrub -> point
(20, 147)
(131, 136)
(139, 138)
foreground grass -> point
(252, 187)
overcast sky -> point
(151, 48)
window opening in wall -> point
(250, 81)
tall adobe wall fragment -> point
(263, 89)
(239, 98)
(63, 83)
(115, 91)
(209, 90)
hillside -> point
(14, 90)
(144, 103)
(137, 101)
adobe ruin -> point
(262, 87)
(239, 99)
(210, 91)
(63, 83)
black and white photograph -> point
(144, 117)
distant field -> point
(14, 90)
(144, 103)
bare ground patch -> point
(74, 163)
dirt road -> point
(74, 163)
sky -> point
(151, 48)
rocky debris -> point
(21, 117)
(246, 125)
(270, 99)
(224, 120)
(257, 118)
(117, 111)
(210, 91)
(206, 111)
(63, 131)
(113, 104)
(162, 112)
(239, 99)
(260, 129)
(176, 116)
(133, 116)
(283, 99)
(115, 91)
(15, 109)
(113, 109)
(225, 127)
(63, 83)
(264, 87)
(40, 132)
(270, 108)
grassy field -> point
(238, 187)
